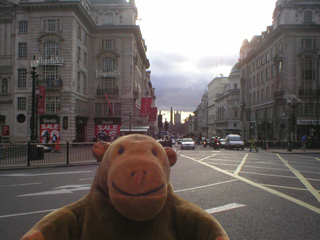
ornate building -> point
(280, 75)
(91, 73)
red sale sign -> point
(49, 132)
(107, 132)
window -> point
(108, 43)
(85, 38)
(85, 60)
(22, 103)
(22, 77)
(81, 107)
(23, 26)
(51, 49)
(235, 114)
(84, 91)
(235, 86)
(280, 67)
(106, 109)
(108, 64)
(308, 17)
(97, 109)
(79, 54)
(22, 50)
(52, 104)
(4, 86)
(308, 109)
(109, 85)
(51, 76)
(79, 32)
(78, 81)
(117, 109)
(109, 18)
(308, 43)
(308, 73)
(51, 25)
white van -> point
(234, 141)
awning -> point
(135, 129)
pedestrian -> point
(54, 139)
(253, 144)
(304, 142)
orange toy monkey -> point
(131, 198)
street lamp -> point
(293, 102)
(33, 64)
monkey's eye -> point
(154, 152)
(121, 150)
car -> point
(45, 148)
(188, 143)
(223, 142)
(234, 141)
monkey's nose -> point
(138, 177)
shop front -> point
(107, 129)
(49, 128)
(81, 129)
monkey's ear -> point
(172, 156)
(98, 150)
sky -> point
(191, 42)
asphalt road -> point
(253, 195)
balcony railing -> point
(109, 91)
(308, 92)
(278, 94)
(53, 84)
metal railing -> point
(36, 154)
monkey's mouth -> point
(137, 194)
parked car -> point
(188, 143)
(234, 141)
(45, 148)
(223, 142)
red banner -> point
(110, 108)
(49, 133)
(145, 106)
(42, 99)
(153, 114)
(107, 132)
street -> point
(253, 195)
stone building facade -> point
(92, 69)
(280, 75)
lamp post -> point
(293, 102)
(33, 64)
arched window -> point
(308, 17)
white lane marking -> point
(277, 193)
(207, 157)
(41, 174)
(210, 211)
(302, 179)
(60, 190)
(85, 179)
(224, 208)
(27, 213)
(204, 186)
(22, 184)
(241, 164)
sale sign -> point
(145, 106)
(49, 132)
(107, 132)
